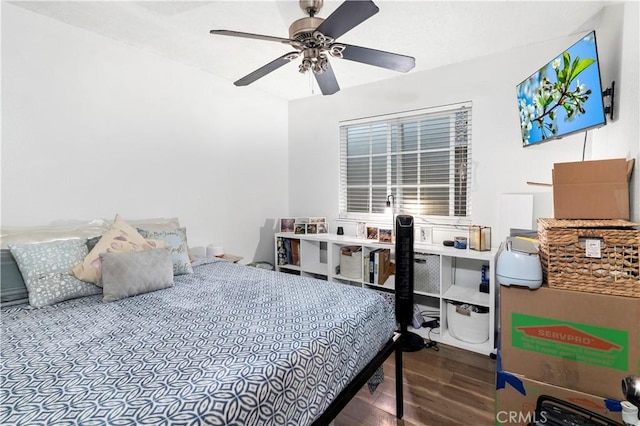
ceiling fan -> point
(314, 40)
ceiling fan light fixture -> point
(314, 60)
(305, 65)
(321, 64)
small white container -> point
(468, 326)
(214, 250)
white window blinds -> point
(422, 158)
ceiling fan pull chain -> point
(311, 79)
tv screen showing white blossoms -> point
(564, 96)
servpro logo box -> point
(583, 341)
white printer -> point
(519, 264)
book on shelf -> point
(288, 251)
(295, 252)
(379, 266)
(365, 267)
(376, 266)
(287, 245)
(384, 266)
(372, 262)
(282, 251)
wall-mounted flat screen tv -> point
(564, 96)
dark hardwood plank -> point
(446, 387)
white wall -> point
(622, 64)
(500, 163)
(92, 127)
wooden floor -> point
(446, 387)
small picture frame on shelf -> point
(323, 228)
(302, 220)
(384, 235)
(372, 233)
(317, 220)
(361, 230)
(312, 228)
(287, 224)
(300, 228)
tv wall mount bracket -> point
(610, 93)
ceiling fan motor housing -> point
(304, 26)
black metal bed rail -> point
(393, 345)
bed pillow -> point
(121, 237)
(57, 231)
(46, 269)
(177, 241)
(13, 290)
(130, 273)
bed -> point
(226, 345)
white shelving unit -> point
(454, 276)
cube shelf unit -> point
(455, 276)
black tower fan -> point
(404, 282)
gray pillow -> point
(135, 272)
(46, 269)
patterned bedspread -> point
(228, 345)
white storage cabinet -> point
(442, 275)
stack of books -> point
(377, 266)
(288, 251)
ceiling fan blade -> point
(348, 15)
(266, 69)
(379, 58)
(327, 81)
(250, 35)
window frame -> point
(463, 143)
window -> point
(422, 158)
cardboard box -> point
(583, 341)
(517, 396)
(592, 189)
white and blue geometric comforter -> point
(227, 345)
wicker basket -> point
(566, 247)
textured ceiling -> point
(436, 33)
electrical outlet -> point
(426, 234)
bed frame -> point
(393, 345)
(404, 310)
